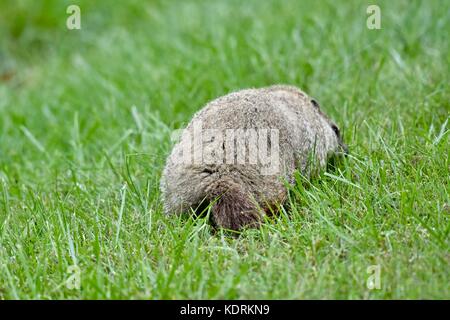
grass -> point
(85, 121)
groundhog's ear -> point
(315, 104)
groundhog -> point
(238, 152)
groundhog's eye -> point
(336, 130)
(315, 103)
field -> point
(85, 123)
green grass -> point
(85, 122)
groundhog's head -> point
(342, 146)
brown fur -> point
(232, 207)
(240, 194)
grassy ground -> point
(85, 121)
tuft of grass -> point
(85, 124)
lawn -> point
(86, 118)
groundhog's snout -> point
(237, 153)
(344, 148)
